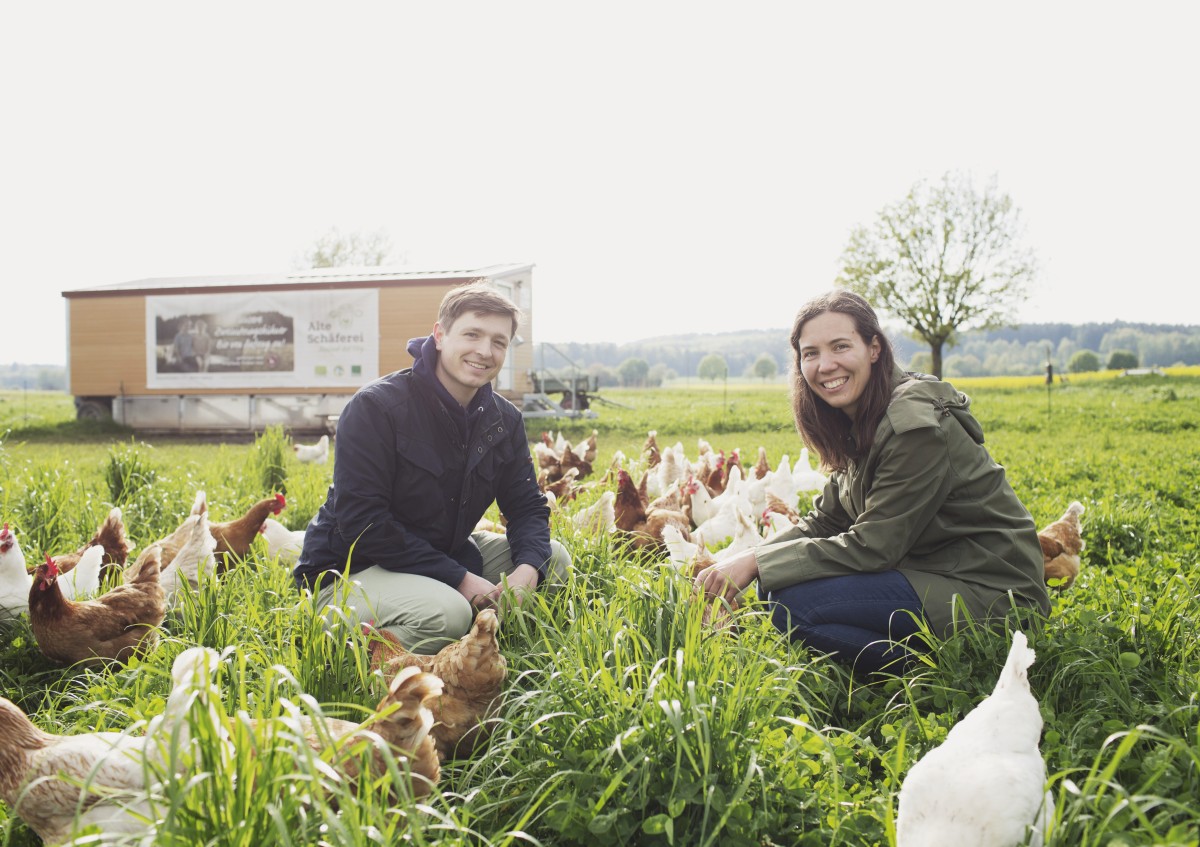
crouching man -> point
(420, 455)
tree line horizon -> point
(1010, 351)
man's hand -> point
(727, 578)
(478, 591)
(516, 585)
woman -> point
(917, 523)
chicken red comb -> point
(51, 568)
(280, 504)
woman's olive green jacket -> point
(927, 500)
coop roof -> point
(314, 278)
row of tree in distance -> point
(766, 355)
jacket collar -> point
(425, 356)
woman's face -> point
(835, 361)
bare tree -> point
(354, 249)
(945, 259)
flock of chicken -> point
(59, 784)
(986, 783)
(691, 513)
(73, 621)
(435, 706)
(696, 513)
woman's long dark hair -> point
(828, 431)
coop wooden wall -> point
(410, 312)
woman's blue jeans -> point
(865, 620)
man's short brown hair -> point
(476, 297)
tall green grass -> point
(625, 720)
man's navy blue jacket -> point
(413, 474)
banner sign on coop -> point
(285, 339)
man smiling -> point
(420, 455)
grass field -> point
(625, 719)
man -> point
(184, 346)
(420, 455)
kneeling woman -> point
(916, 520)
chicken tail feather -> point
(1020, 658)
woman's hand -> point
(727, 578)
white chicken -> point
(745, 536)
(985, 784)
(735, 490)
(193, 698)
(15, 581)
(282, 543)
(316, 453)
(804, 476)
(724, 524)
(599, 518)
(83, 580)
(59, 784)
(670, 470)
(778, 482)
(775, 523)
(680, 552)
(701, 507)
(196, 556)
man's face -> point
(471, 352)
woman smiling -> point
(917, 525)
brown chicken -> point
(111, 536)
(629, 509)
(573, 461)
(564, 488)
(236, 537)
(1062, 542)
(169, 546)
(404, 719)
(674, 499)
(113, 626)
(734, 460)
(589, 447)
(641, 525)
(59, 784)
(761, 467)
(472, 671)
(548, 457)
(775, 504)
(715, 480)
(193, 561)
(41, 777)
(650, 448)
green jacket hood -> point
(919, 399)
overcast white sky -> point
(668, 167)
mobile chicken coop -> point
(240, 353)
